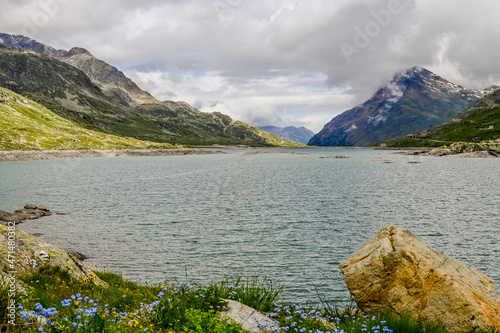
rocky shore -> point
(439, 152)
(463, 149)
(27, 155)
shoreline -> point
(30, 155)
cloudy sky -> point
(280, 62)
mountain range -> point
(412, 101)
(417, 107)
(291, 133)
(97, 96)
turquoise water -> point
(290, 218)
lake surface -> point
(289, 218)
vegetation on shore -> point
(54, 302)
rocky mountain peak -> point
(112, 81)
(78, 51)
(413, 100)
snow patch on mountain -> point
(352, 128)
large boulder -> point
(397, 271)
(30, 253)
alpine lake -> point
(290, 218)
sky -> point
(271, 62)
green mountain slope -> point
(26, 125)
(68, 92)
(478, 122)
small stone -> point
(42, 207)
(42, 255)
(77, 255)
(30, 206)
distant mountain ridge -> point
(292, 133)
(412, 101)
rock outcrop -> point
(397, 271)
(29, 212)
(30, 252)
(335, 156)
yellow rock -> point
(397, 271)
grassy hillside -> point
(479, 122)
(26, 125)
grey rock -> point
(247, 317)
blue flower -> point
(24, 314)
(66, 302)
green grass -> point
(474, 128)
(259, 294)
(26, 125)
(125, 306)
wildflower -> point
(24, 315)
(21, 307)
(66, 302)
